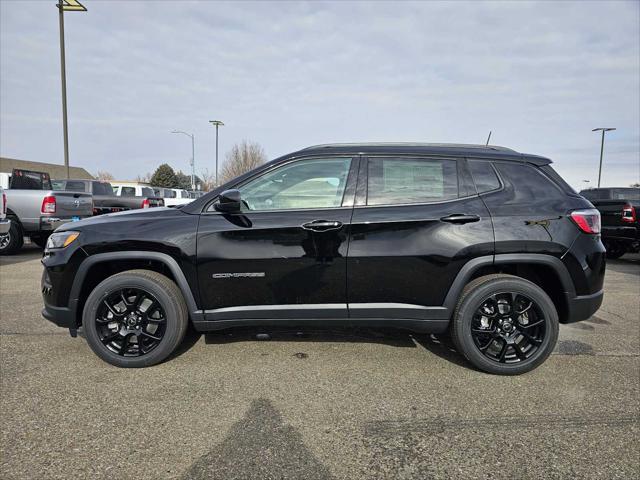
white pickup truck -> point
(173, 197)
(36, 210)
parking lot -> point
(340, 404)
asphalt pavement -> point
(345, 404)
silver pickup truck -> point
(36, 210)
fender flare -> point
(167, 260)
(467, 271)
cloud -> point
(540, 75)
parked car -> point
(144, 196)
(5, 223)
(618, 208)
(104, 198)
(36, 210)
(170, 196)
(486, 243)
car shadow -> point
(27, 254)
(439, 345)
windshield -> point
(625, 193)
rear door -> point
(285, 255)
(416, 222)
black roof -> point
(453, 149)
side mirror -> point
(229, 201)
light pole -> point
(193, 156)
(71, 6)
(603, 129)
(217, 124)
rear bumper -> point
(5, 225)
(584, 306)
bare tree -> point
(143, 178)
(104, 176)
(241, 158)
(208, 180)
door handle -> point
(460, 218)
(322, 225)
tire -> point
(12, 242)
(615, 250)
(154, 287)
(41, 241)
(490, 294)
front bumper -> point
(61, 316)
(583, 306)
(5, 225)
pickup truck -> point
(618, 208)
(145, 196)
(173, 197)
(104, 198)
(36, 210)
(5, 223)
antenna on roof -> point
(488, 138)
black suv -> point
(483, 242)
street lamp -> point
(217, 124)
(603, 129)
(193, 156)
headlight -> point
(61, 240)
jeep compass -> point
(484, 243)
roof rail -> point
(412, 144)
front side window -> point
(396, 181)
(128, 192)
(314, 183)
(147, 192)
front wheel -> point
(504, 324)
(11, 242)
(135, 318)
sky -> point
(288, 75)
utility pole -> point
(193, 157)
(217, 124)
(603, 129)
(73, 6)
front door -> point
(416, 222)
(284, 256)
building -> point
(7, 165)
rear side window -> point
(128, 192)
(148, 192)
(529, 182)
(397, 181)
(484, 176)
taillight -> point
(587, 220)
(145, 203)
(4, 203)
(48, 204)
(628, 213)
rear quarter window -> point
(484, 176)
(529, 182)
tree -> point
(164, 176)
(184, 181)
(144, 178)
(104, 176)
(637, 184)
(241, 158)
(208, 180)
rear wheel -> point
(615, 249)
(135, 318)
(12, 241)
(504, 324)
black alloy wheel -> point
(130, 322)
(135, 318)
(504, 324)
(508, 327)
